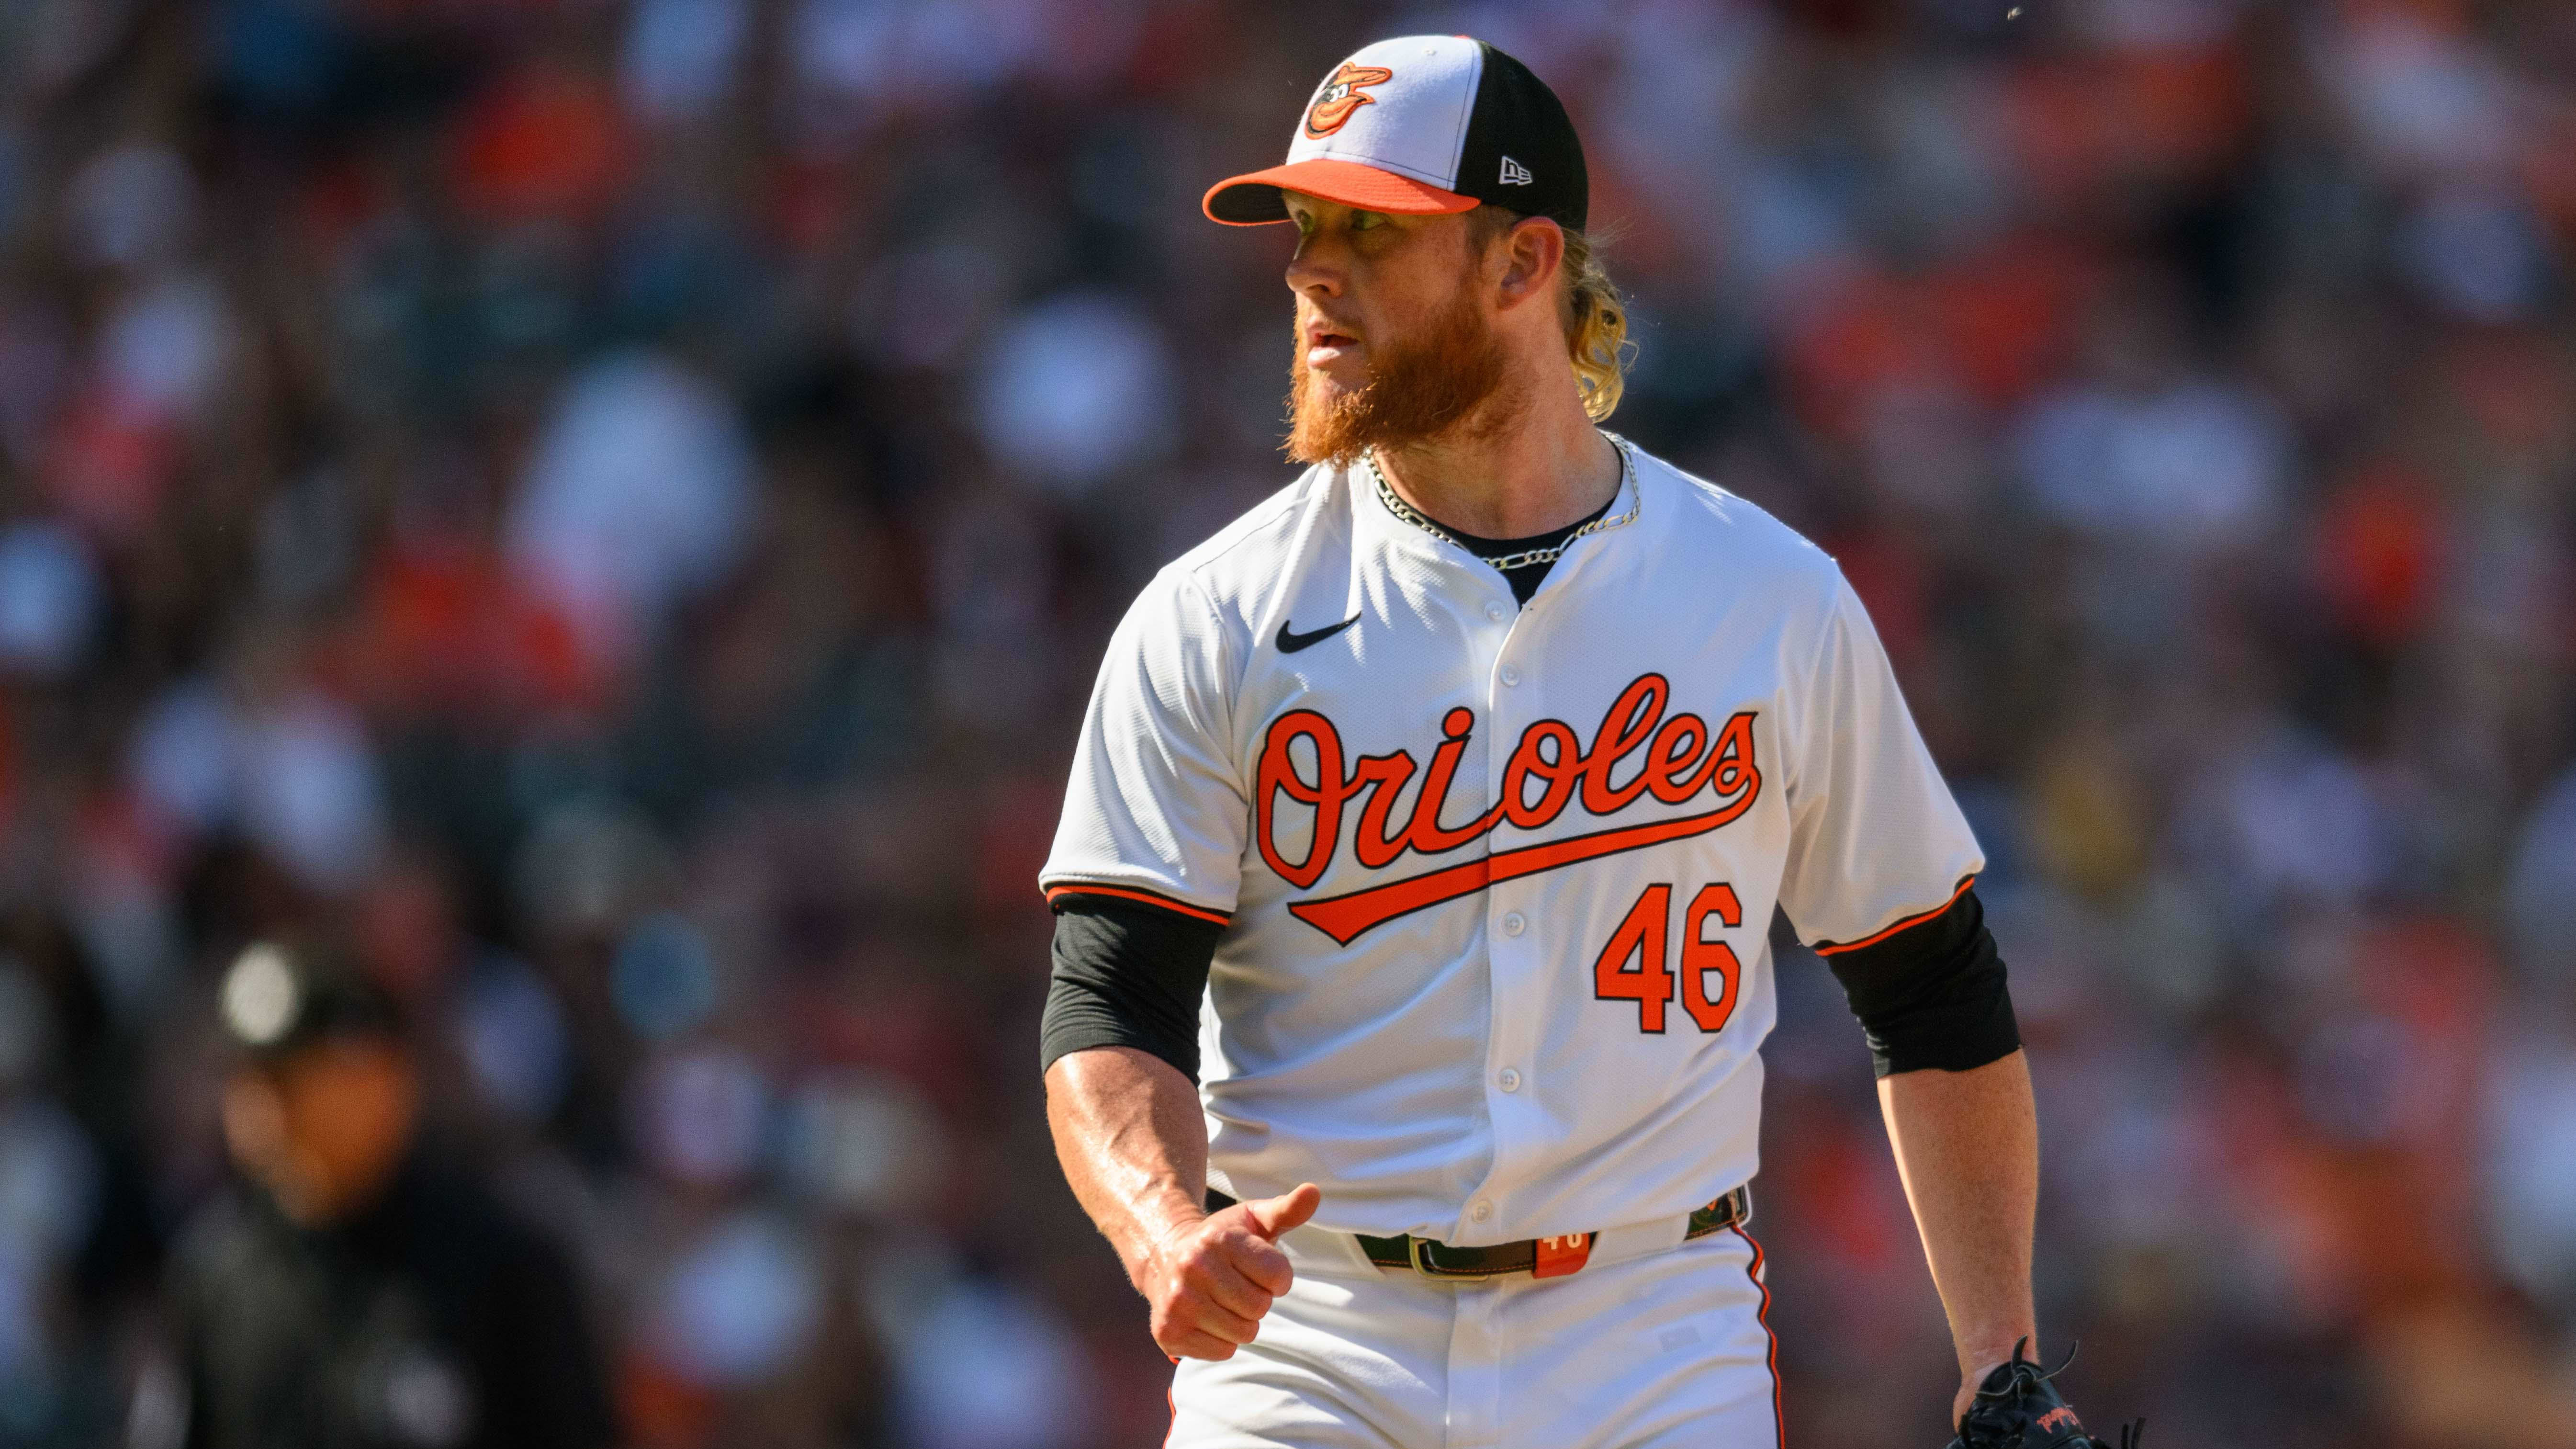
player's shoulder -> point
(1210, 590)
(1263, 534)
(1718, 528)
(1249, 555)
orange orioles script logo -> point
(1342, 97)
(1678, 759)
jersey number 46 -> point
(1642, 937)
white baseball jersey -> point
(1496, 878)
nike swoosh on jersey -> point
(1344, 917)
(1290, 641)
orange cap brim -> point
(1252, 199)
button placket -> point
(1511, 962)
(1496, 732)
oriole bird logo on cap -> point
(1342, 97)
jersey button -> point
(1513, 925)
(1511, 676)
(1508, 1079)
(1481, 1211)
(1494, 612)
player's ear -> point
(1533, 251)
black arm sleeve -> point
(1126, 975)
(1933, 994)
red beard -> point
(1449, 381)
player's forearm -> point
(1133, 1144)
(1967, 1146)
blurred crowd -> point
(608, 509)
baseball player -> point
(1411, 890)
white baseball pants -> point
(1666, 1348)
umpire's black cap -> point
(279, 997)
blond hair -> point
(1595, 315)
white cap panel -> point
(1400, 105)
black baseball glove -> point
(2018, 1408)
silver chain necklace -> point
(1506, 562)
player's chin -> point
(1333, 373)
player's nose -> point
(1316, 270)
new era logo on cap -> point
(1423, 124)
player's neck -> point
(1542, 468)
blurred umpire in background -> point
(354, 1290)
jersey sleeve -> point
(1876, 843)
(1155, 812)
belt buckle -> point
(1420, 1249)
(1732, 1208)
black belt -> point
(1435, 1259)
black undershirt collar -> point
(1525, 579)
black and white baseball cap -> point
(1423, 125)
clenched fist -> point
(1208, 1282)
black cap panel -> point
(1520, 149)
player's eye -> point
(1367, 220)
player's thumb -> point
(1272, 1216)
